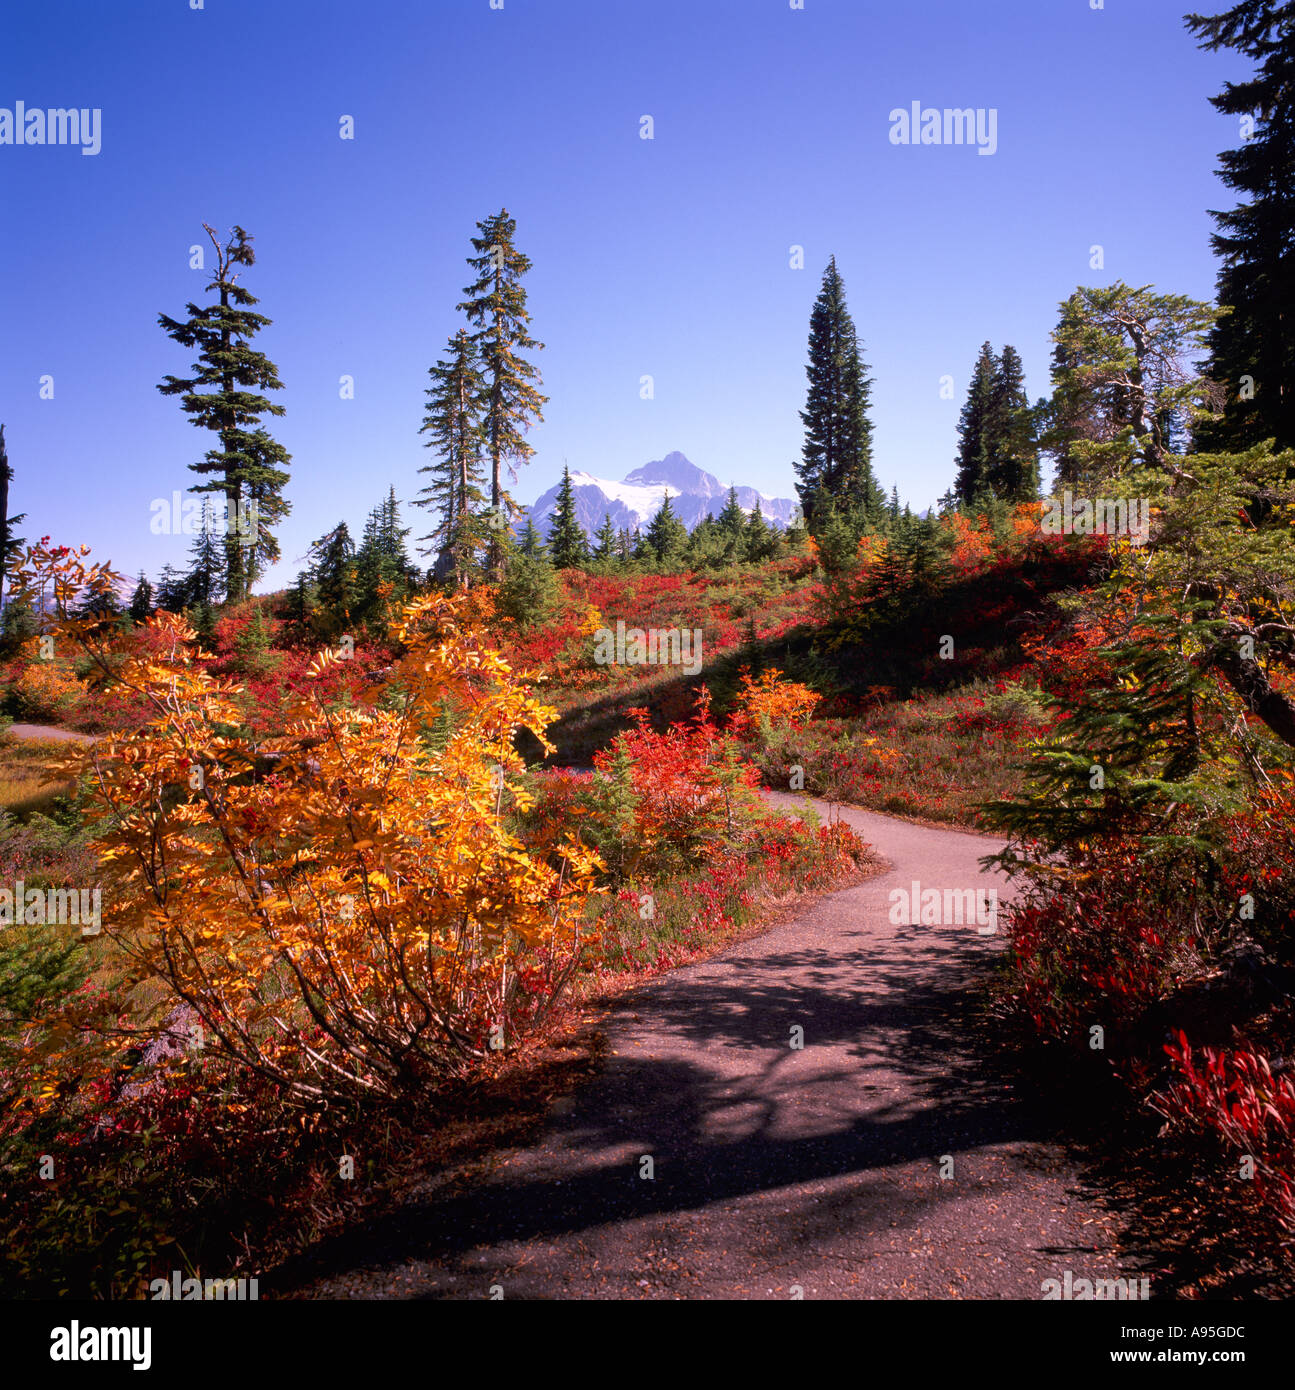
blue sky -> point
(667, 257)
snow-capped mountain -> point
(693, 493)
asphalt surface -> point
(886, 1158)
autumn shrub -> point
(664, 800)
(340, 908)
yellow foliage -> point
(343, 907)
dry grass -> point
(24, 765)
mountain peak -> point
(677, 470)
(633, 502)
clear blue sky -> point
(667, 257)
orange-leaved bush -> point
(342, 908)
(773, 701)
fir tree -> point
(205, 579)
(171, 590)
(666, 536)
(606, 548)
(453, 421)
(332, 568)
(836, 460)
(141, 601)
(529, 590)
(222, 396)
(761, 538)
(973, 478)
(382, 569)
(9, 543)
(1013, 452)
(496, 306)
(1252, 346)
(567, 543)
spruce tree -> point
(9, 543)
(973, 478)
(223, 396)
(836, 459)
(511, 401)
(453, 421)
(1252, 346)
(532, 544)
(567, 543)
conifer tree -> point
(1013, 452)
(204, 582)
(836, 459)
(332, 567)
(9, 543)
(170, 593)
(246, 465)
(973, 478)
(382, 569)
(511, 401)
(453, 421)
(1252, 346)
(666, 536)
(141, 601)
(606, 548)
(529, 590)
(761, 538)
(567, 543)
(1124, 384)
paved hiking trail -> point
(29, 732)
(775, 1169)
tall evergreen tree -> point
(1255, 339)
(836, 459)
(1013, 449)
(453, 420)
(973, 478)
(567, 542)
(496, 306)
(9, 543)
(247, 464)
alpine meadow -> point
(648, 652)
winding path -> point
(777, 1172)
